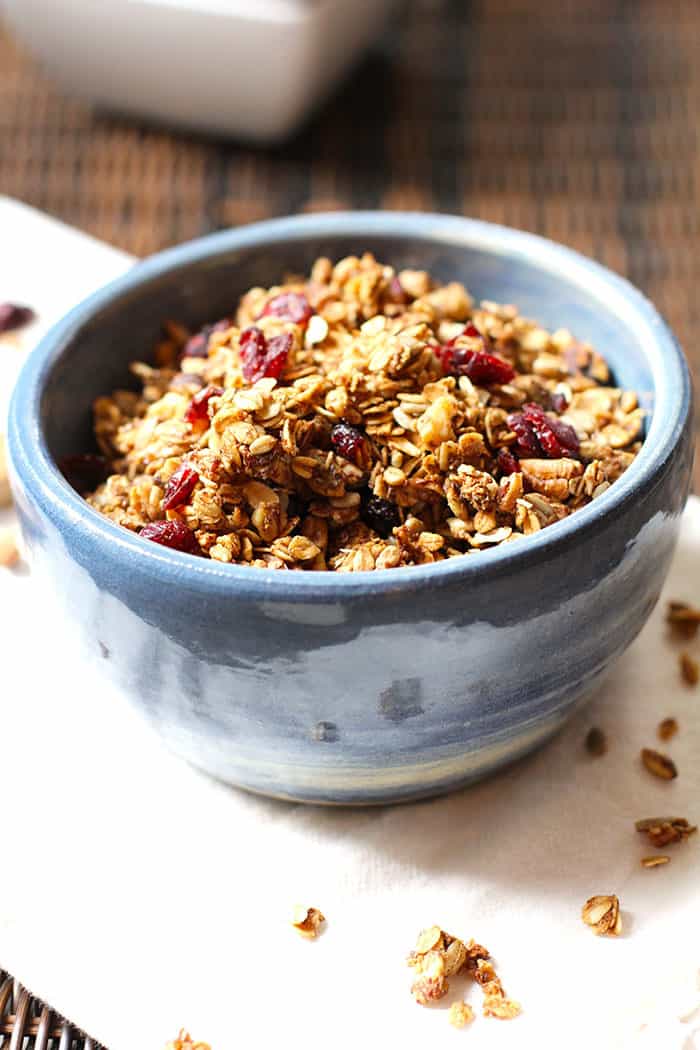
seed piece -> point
(9, 553)
(602, 914)
(667, 728)
(662, 831)
(307, 921)
(690, 669)
(460, 1014)
(660, 765)
(656, 861)
(596, 742)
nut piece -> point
(460, 1014)
(660, 765)
(9, 553)
(431, 982)
(184, 1042)
(667, 728)
(596, 742)
(307, 921)
(690, 669)
(656, 861)
(662, 831)
(602, 913)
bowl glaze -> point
(367, 687)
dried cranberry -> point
(198, 407)
(173, 534)
(558, 402)
(507, 463)
(179, 487)
(480, 366)
(13, 316)
(348, 441)
(539, 434)
(382, 515)
(262, 358)
(198, 344)
(289, 306)
(84, 472)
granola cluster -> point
(360, 419)
(438, 956)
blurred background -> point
(576, 119)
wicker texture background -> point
(577, 119)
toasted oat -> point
(662, 831)
(596, 742)
(460, 1014)
(658, 764)
(690, 669)
(684, 619)
(656, 861)
(431, 981)
(307, 921)
(9, 552)
(413, 424)
(184, 1041)
(602, 914)
(438, 955)
(667, 728)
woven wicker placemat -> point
(576, 119)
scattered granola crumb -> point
(602, 914)
(596, 742)
(184, 1041)
(667, 728)
(307, 921)
(659, 765)
(460, 1015)
(690, 669)
(684, 619)
(437, 956)
(662, 831)
(656, 861)
(9, 553)
(13, 316)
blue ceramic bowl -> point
(367, 687)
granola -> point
(658, 764)
(662, 831)
(184, 1041)
(690, 669)
(602, 914)
(307, 921)
(360, 419)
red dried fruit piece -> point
(480, 366)
(539, 434)
(507, 463)
(84, 472)
(179, 487)
(13, 316)
(198, 344)
(289, 306)
(348, 441)
(263, 358)
(198, 407)
(172, 534)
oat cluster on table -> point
(359, 419)
(438, 956)
(185, 1041)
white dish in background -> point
(248, 68)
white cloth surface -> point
(137, 895)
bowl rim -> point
(31, 460)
